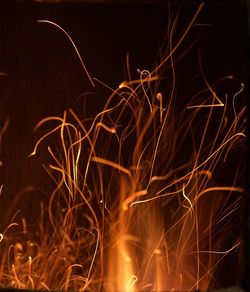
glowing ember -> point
(136, 206)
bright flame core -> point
(125, 214)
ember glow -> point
(135, 205)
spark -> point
(20, 285)
(219, 104)
(157, 251)
(234, 97)
(221, 252)
(159, 97)
(155, 197)
(173, 50)
(110, 130)
(132, 282)
(45, 286)
(112, 164)
(226, 188)
(92, 261)
(147, 75)
(74, 46)
(132, 197)
(191, 209)
(127, 84)
(206, 160)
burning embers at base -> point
(136, 204)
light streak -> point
(108, 129)
(148, 77)
(191, 209)
(112, 164)
(237, 244)
(73, 44)
(159, 97)
(132, 282)
(132, 197)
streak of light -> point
(132, 282)
(72, 42)
(112, 164)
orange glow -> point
(123, 215)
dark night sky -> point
(45, 76)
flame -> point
(124, 215)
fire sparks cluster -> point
(135, 206)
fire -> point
(136, 206)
